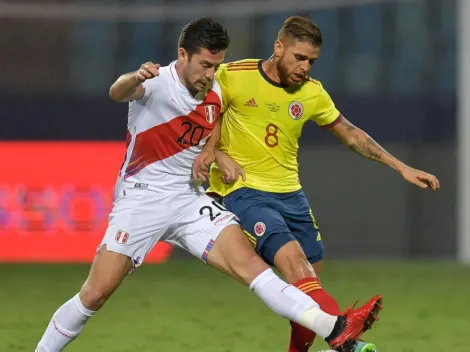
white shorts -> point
(141, 217)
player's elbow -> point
(354, 137)
(118, 90)
(114, 94)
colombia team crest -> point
(209, 111)
(296, 110)
(260, 228)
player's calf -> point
(291, 261)
(107, 272)
(233, 254)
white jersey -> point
(167, 129)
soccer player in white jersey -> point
(172, 112)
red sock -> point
(301, 338)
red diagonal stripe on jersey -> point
(170, 138)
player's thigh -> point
(301, 222)
(234, 255)
(199, 221)
(263, 225)
(207, 230)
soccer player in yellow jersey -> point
(265, 105)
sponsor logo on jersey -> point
(251, 103)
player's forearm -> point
(365, 146)
(220, 156)
(213, 140)
(125, 88)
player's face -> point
(199, 69)
(295, 60)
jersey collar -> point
(267, 79)
(175, 76)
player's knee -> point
(94, 296)
(107, 271)
(292, 263)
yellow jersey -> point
(262, 123)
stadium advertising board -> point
(55, 198)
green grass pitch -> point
(186, 306)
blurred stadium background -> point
(398, 69)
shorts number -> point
(210, 210)
(271, 138)
(196, 134)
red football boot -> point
(353, 324)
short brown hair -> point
(302, 29)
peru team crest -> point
(296, 110)
(209, 111)
(122, 237)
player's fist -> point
(147, 71)
(230, 169)
(201, 165)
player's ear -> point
(278, 48)
(182, 54)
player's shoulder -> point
(165, 76)
(312, 86)
(242, 65)
(168, 72)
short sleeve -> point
(147, 91)
(222, 79)
(325, 112)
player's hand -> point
(202, 164)
(231, 170)
(420, 178)
(147, 71)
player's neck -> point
(270, 69)
(183, 82)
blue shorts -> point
(270, 220)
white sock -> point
(65, 325)
(291, 303)
(318, 321)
